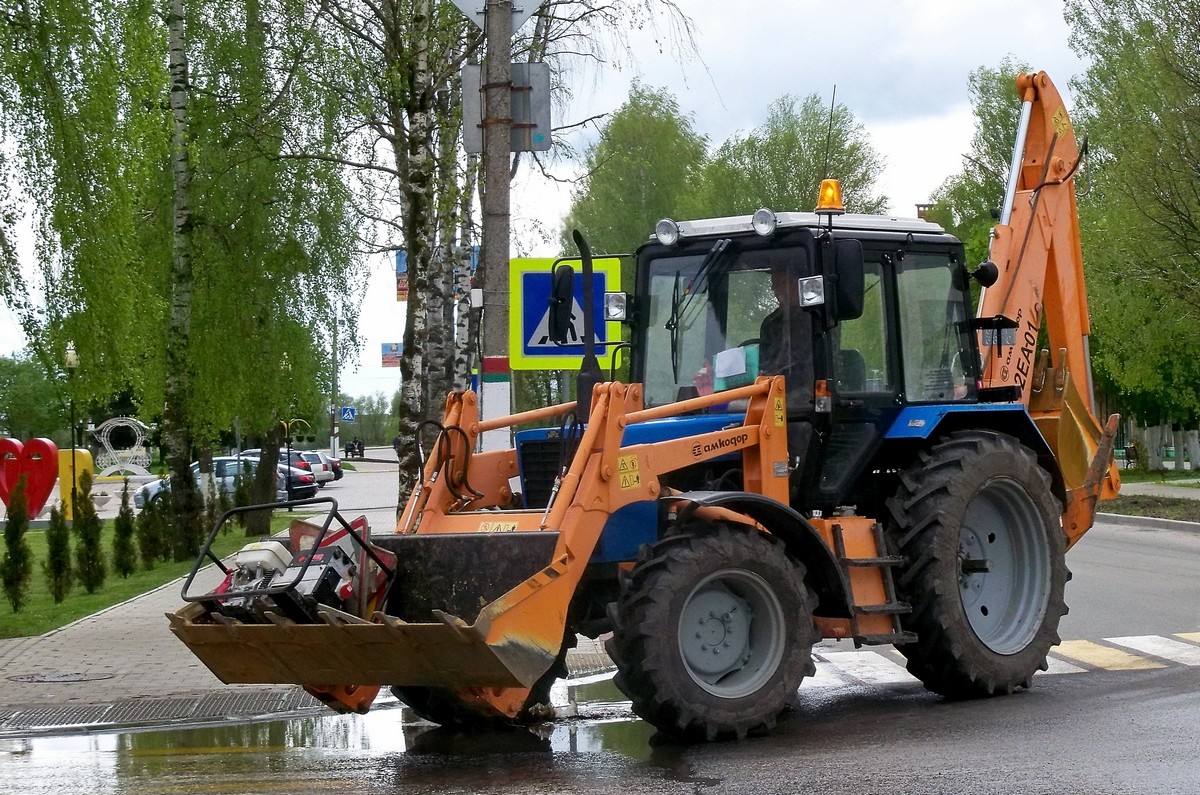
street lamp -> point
(71, 359)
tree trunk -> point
(467, 322)
(418, 165)
(1192, 444)
(185, 505)
(1154, 447)
(258, 523)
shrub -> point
(17, 566)
(148, 536)
(89, 554)
(124, 557)
(57, 565)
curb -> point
(1148, 522)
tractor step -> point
(889, 609)
(889, 560)
(886, 639)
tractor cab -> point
(863, 315)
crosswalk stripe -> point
(868, 666)
(1105, 657)
(1173, 650)
(1057, 666)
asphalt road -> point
(1107, 724)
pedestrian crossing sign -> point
(529, 343)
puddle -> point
(591, 717)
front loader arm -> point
(1036, 248)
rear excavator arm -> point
(1036, 248)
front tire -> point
(713, 633)
(982, 537)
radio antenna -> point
(829, 132)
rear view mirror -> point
(848, 291)
(562, 295)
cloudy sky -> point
(900, 66)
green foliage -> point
(17, 566)
(56, 567)
(647, 159)
(152, 531)
(966, 202)
(781, 164)
(42, 614)
(124, 554)
(33, 404)
(90, 567)
(1140, 103)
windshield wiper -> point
(673, 327)
(709, 266)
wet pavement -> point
(122, 667)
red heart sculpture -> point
(37, 460)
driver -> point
(785, 336)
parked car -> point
(337, 468)
(303, 484)
(225, 472)
(321, 468)
(297, 457)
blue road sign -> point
(529, 316)
(349, 414)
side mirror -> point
(848, 290)
(562, 295)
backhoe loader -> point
(819, 439)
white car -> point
(322, 467)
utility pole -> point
(496, 380)
(333, 398)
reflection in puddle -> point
(591, 717)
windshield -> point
(934, 338)
(719, 320)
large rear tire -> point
(713, 633)
(982, 538)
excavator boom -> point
(1036, 248)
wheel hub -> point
(716, 632)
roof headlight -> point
(667, 232)
(764, 222)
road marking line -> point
(868, 667)
(1173, 650)
(825, 676)
(1057, 666)
(1105, 657)
(1192, 636)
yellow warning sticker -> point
(1060, 122)
(778, 407)
(627, 468)
(497, 527)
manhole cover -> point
(60, 677)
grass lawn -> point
(39, 614)
(1138, 475)
(1179, 508)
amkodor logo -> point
(720, 444)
